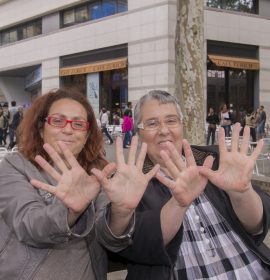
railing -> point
(115, 130)
(262, 164)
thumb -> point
(206, 170)
(208, 162)
(153, 172)
(109, 169)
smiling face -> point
(74, 139)
(157, 139)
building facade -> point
(117, 50)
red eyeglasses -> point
(62, 122)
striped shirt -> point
(212, 250)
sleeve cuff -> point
(129, 230)
(108, 239)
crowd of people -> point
(126, 123)
(169, 211)
(226, 118)
(10, 119)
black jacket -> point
(148, 259)
(16, 120)
(213, 119)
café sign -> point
(94, 67)
(235, 62)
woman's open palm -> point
(185, 182)
(235, 165)
(75, 188)
(127, 186)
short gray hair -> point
(163, 97)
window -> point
(248, 6)
(109, 7)
(81, 14)
(26, 30)
(215, 74)
(122, 6)
(9, 36)
(31, 30)
(94, 10)
(68, 17)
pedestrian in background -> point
(261, 122)
(3, 123)
(12, 111)
(225, 120)
(104, 119)
(232, 113)
(5, 131)
(15, 123)
(127, 128)
(128, 111)
(116, 118)
(212, 120)
(250, 121)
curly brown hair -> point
(30, 142)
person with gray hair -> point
(205, 219)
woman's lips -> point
(66, 142)
(164, 143)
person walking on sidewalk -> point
(262, 121)
(104, 119)
(15, 123)
(3, 123)
(12, 111)
(127, 128)
(212, 120)
(225, 120)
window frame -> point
(101, 6)
(220, 4)
(19, 30)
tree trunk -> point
(189, 63)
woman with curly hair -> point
(51, 207)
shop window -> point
(230, 86)
(215, 74)
(247, 6)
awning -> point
(235, 62)
(99, 66)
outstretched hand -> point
(126, 188)
(75, 188)
(186, 183)
(235, 166)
